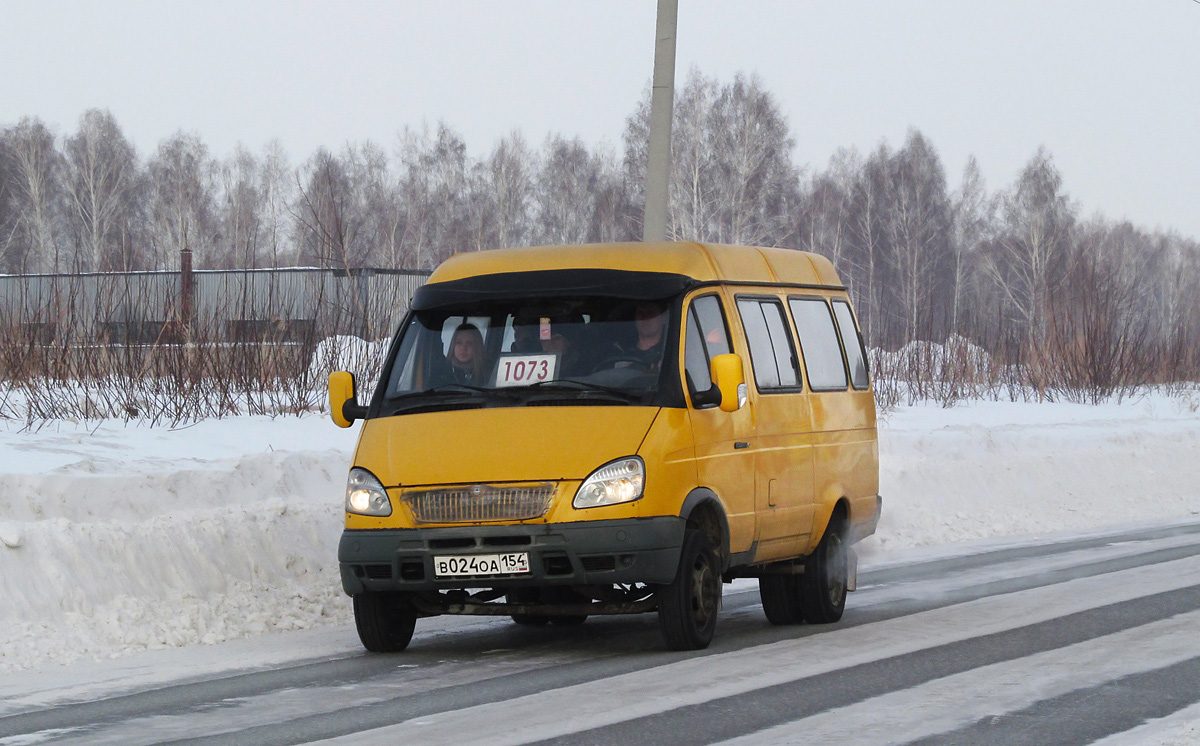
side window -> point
(852, 343)
(707, 337)
(771, 352)
(819, 344)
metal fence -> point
(146, 307)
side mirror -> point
(343, 403)
(730, 379)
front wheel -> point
(385, 621)
(687, 608)
(825, 580)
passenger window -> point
(819, 344)
(771, 353)
(853, 345)
(707, 337)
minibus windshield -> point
(515, 352)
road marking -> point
(956, 701)
(651, 691)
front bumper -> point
(635, 550)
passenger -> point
(525, 336)
(568, 356)
(466, 355)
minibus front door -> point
(724, 458)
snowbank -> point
(989, 469)
(130, 538)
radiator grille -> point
(469, 503)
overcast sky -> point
(1110, 87)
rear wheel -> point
(385, 621)
(573, 620)
(687, 608)
(527, 596)
(781, 598)
(824, 582)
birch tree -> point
(35, 170)
(732, 176)
(182, 179)
(973, 212)
(917, 219)
(433, 183)
(103, 183)
(1028, 263)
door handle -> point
(740, 444)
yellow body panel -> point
(778, 466)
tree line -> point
(1018, 270)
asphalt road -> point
(1064, 642)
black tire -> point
(385, 622)
(824, 582)
(687, 608)
(781, 598)
(527, 596)
(573, 620)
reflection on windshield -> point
(519, 350)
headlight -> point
(616, 482)
(365, 494)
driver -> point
(650, 319)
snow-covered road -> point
(996, 645)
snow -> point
(117, 539)
(124, 538)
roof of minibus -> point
(703, 262)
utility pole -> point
(662, 101)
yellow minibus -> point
(567, 431)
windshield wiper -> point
(570, 384)
(452, 390)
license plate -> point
(472, 565)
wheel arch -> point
(702, 509)
(839, 509)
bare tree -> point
(328, 232)
(374, 205)
(500, 197)
(434, 176)
(565, 192)
(182, 178)
(822, 219)
(917, 221)
(35, 170)
(103, 185)
(242, 204)
(732, 177)
(973, 225)
(1028, 264)
(278, 186)
(868, 248)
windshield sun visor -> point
(597, 283)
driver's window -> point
(707, 336)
